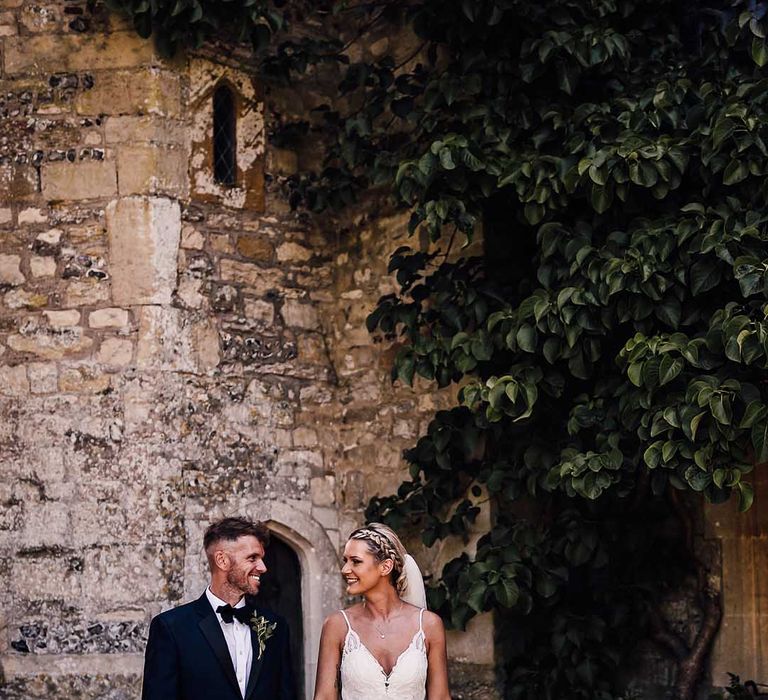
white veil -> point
(414, 590)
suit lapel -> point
(256, 662)
(211, 629)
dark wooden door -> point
(281, 591)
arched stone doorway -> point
(281, 592)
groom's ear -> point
(222, 559)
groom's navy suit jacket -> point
(187, 659)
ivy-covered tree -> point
(609, 348)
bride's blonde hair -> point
(384, 544)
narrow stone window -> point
(224, 136)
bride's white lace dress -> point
(363, 678)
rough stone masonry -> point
(171, 350)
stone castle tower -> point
(176, 345)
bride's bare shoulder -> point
(335, 625)
(433, 624)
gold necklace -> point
(381, 634)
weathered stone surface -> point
(260, 311)
(84, 379)
(32, 215)
(170, 341)
(150, 129)
(86, 292)
(293, 252)
(322, 489)
(13, 381)
(84, 180)
(58, 319)
(72, 52)
(42, 266)
(115, 352)
(50, 343)
(108, 318)
(152, 225)
(257, 279)
(17, 182)
(255, 248)
(150, 169)
(10, 270)
(21, 299)
(299, 314)
(43, 377)
(144, 91)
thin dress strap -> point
(346, 619)
(421, 615)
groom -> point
(221, 647)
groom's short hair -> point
(231, 529)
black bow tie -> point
(242, 614)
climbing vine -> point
(609, 346)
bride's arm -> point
(329, 661)
(437, 660)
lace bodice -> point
(363, 678)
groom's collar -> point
(215, 601)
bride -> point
(389, 645)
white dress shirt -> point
(238, 637)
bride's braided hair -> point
(384, 544)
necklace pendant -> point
(381, 635)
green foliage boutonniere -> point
(263, 629)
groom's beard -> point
(242, 582)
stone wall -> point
(170, 351)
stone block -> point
(163, 341)
(299, 315)
(10, 270)
(86, 292)
(47, 574)
(43, 377)
(59, 319)
(293, 252)
(143, 91)
(305, 437)
(108, 318)
(17, 182)
(115, 352)
(191, 238)
(6, 216)
(143, 237)
(143, 567)
(32, 215)
(21, 299)
(261, 311)
(14, 381)
(52, 53)
(144, 130)
(88, 179)
(259, 280)
(83, 380)
(322, 490)
(255, 248)
(49, 239)
(51, 344)
(42, 266)
(46, 525)
(327, 517)
(149, 169)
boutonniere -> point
(263, 629)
